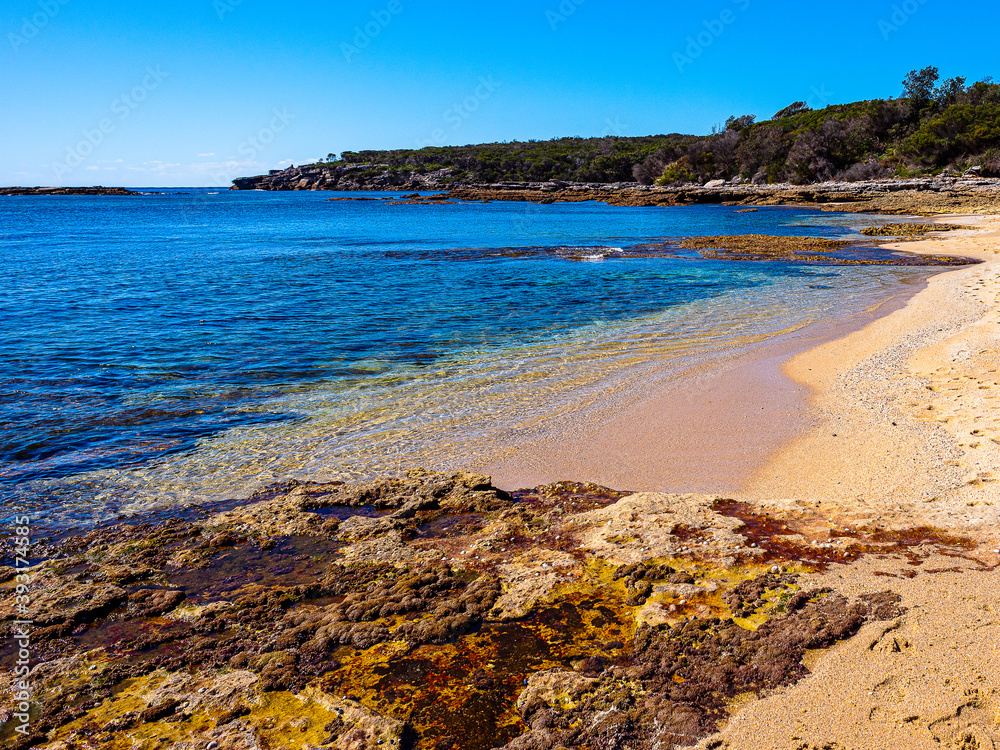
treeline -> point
(935, 125)
(571, 159)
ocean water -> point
(197, 345)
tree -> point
(813, 156)
(723, 148)
(739, 124)
(919, 85)
(950, 91)
(762, 152)
(796, 108)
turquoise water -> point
(192, 346)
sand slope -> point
(907, 433)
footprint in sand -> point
(971, 727)
(981, 478)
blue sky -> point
(197, 92)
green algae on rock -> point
(908, 230)
(808, 250)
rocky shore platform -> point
(921, 196)
(436, 611)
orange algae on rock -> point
(468, 689)
(471, 620)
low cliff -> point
(929, 195)
(347, 177)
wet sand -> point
(707, 430)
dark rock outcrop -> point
(97, 190)
(345, 177)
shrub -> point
(676, 173)
(959, 131)
(991, 163)
(795, 108)
(812, 157)
(872, 169)
(763, 150)
(740, 124)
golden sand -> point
(907, 432)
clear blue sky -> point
(196, 92)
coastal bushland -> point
(933, 126)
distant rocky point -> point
(348, 177)
(97, 190)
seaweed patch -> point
(444, 613)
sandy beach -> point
(907, 436)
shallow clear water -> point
(185, 347)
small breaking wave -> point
(590, 254)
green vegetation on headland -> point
(601, 160)
(934, 126)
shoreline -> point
(923, 196)
(678, 434)
(906, 435)
(930, 195)
(860, 362)
(439, 612)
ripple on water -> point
(174, 351)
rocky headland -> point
(923, 196)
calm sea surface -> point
(196, 345)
